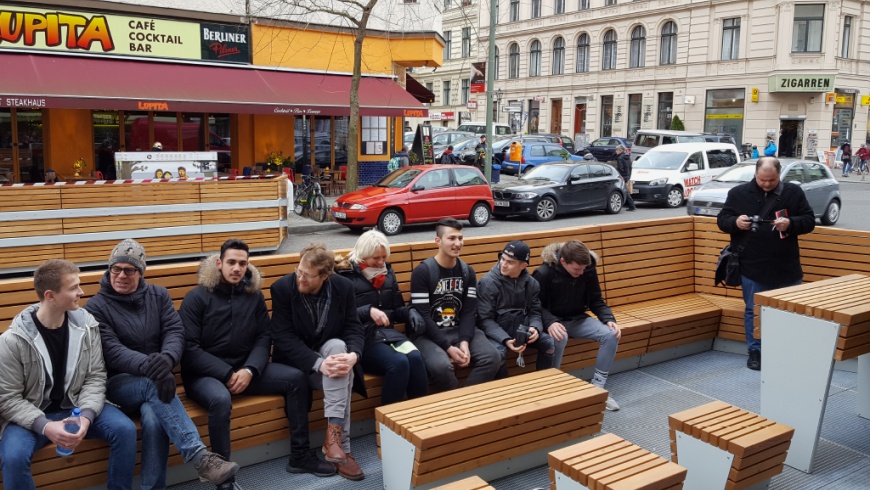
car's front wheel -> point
(675, 197)
(546, 209)
(614, 203)
(480, 215)
(391, 222)
(832, 213)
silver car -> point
(817, 181)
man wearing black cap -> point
(508, 308)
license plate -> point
(340, 215)
(502, 204)
(706, 211)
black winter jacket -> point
(293, 332)
(503, 304)
(387, 299)
(767, 258)
(135, 325)
(566, 298)
(226, 327)
(623, 166)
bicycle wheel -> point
(319, 209)
(299, 200)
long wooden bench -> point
(723, 446)
(609, 462)
(645, 268)
(470, 483)
(441, 437)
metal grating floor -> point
(647, 396)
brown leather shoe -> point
(332, 445)
(350, 469)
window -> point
(447, 4)
(535, 59)
(608, 56)
(694, 158)
(466, 42)
(807, 30)
(637, 57)
(496, 65)
(668, 55)
(609, 3)
(515, 10)
(430, 86)
(445, 92)
(598, 170)
(554, 151)
(558, 56)
(847, 36)
(536, 9)
(580, 172)
(606, 115)
(584, 5)
(537, 151)
(721, 158)
(815, 172)
(435, 179)
(468, 176)
(666, 109)
(466, 90)
(731, 39)
(795, 174)
(559, 7)
(373, 129)
(514, 61)
(634, 113)
(448, 44)
(583, 53)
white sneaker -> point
(611, 405)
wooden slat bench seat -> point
(470, 483)
(609, 462)
(439, 437)
(724, 446)
(677, 320)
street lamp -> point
(498, 93)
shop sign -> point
(865, 100)
(800, 83)
(448, 116)
(471, 104)
(121, 35)
(434, 116)
(413, 113)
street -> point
(855, 211)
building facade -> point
(247, 79)
(795, 70)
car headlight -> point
(525, 195)
(358, 207)
(661, 181)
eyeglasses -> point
(306, 275)
(128, 271)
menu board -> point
(428, 151)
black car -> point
(604, 149)
(554, 188)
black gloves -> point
(165, 387)
(159, 366)
(416, 324)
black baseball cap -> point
(517, 250)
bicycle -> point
(308, 199)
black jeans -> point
(403, 373)
(276, 379)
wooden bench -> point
(612, 463)
(491, 429)
(470, 483)
(723, 446)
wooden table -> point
(803, 330)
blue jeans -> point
(18, 445)
(276, 379)
(593, 329)
(751, 287)
(402, 373)
(161, 423)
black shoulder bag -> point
(728, 265)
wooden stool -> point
(612, 463)
(727, 447)
(470, 483)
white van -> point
(669, 173)
(651, 138)
(479, 128)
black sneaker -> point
(310, 463)
(754, 361)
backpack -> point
(394, 164)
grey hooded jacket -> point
(504, 303)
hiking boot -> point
(754, 361)
(350, 469)
(227, 485)
(332, 445)
(611, 404)
(310, 463)
(214, 469)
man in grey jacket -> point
(47, 343)
(507, 298)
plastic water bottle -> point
(72, 425)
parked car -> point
(604, 149)
(651, 138)
(555, 188)
(502, 145)
(463, 149)
(417, 194)
(408, 138)
(478, 128)
(537, 153)
(719, 138)
(817, 181)
(559, 139)
(670, 173)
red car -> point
(417, 194)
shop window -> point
(583, 53)
(31, 163)
(634, 108)
(515, 10)
(608, 54)
(219, 140)
(807, 28)
(666, 110)
(514, 61)
(606, 115)
(668, 52)
(637, 57)
(558, 56)
(731, 39)
(165, 127)
(847, 36)
(535, 59)
(8, 170)
(724, 112)
(107, 141)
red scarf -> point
(375, 275)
